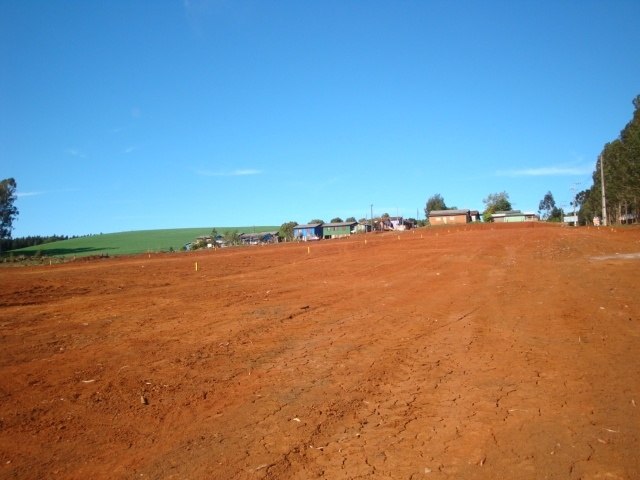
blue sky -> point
(131, 115)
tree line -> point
(620, 163)
(30, 241)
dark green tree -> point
(620, 161)
(555, 215)
(350, 219)
(495, 202)
(435, 202)
(8, 211)
(546, 206)
(316, 220)
(336, 220)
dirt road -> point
(485, 352)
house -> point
(475, 215)
(513, 216)
(207, 241)
(382, 224)
(449, 217)
(338, 229)
(362, 227)
(397, 223)
(409, 223)
(258, 238)
(310, 231)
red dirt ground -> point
(485, 352)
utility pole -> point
(604, 201)
(574, 187)
(371, 217)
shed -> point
(449, 217)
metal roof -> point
(442, 213)
(510, 213)
(339, 224)
(308, 225)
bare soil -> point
(478, 352)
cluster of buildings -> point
(218, 241)
(456, 217)
(320, 230)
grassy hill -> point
(126, 243)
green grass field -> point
(127, 243)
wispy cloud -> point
(129, 149)
(243, 172)
(29, 194)
(46, 192)
(75, 152)
(546, 172)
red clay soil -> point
(488, 352)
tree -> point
(546, 206)
(585, 206)
(316, 220)
(435, 202)
(336, 220)
(620, 162)
(350, 219)
(286, 230)
(495, 202)
(231, 237)
(555, 215)
(8, 211)
(581, 199)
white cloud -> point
(233, 173)
(545, 172)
